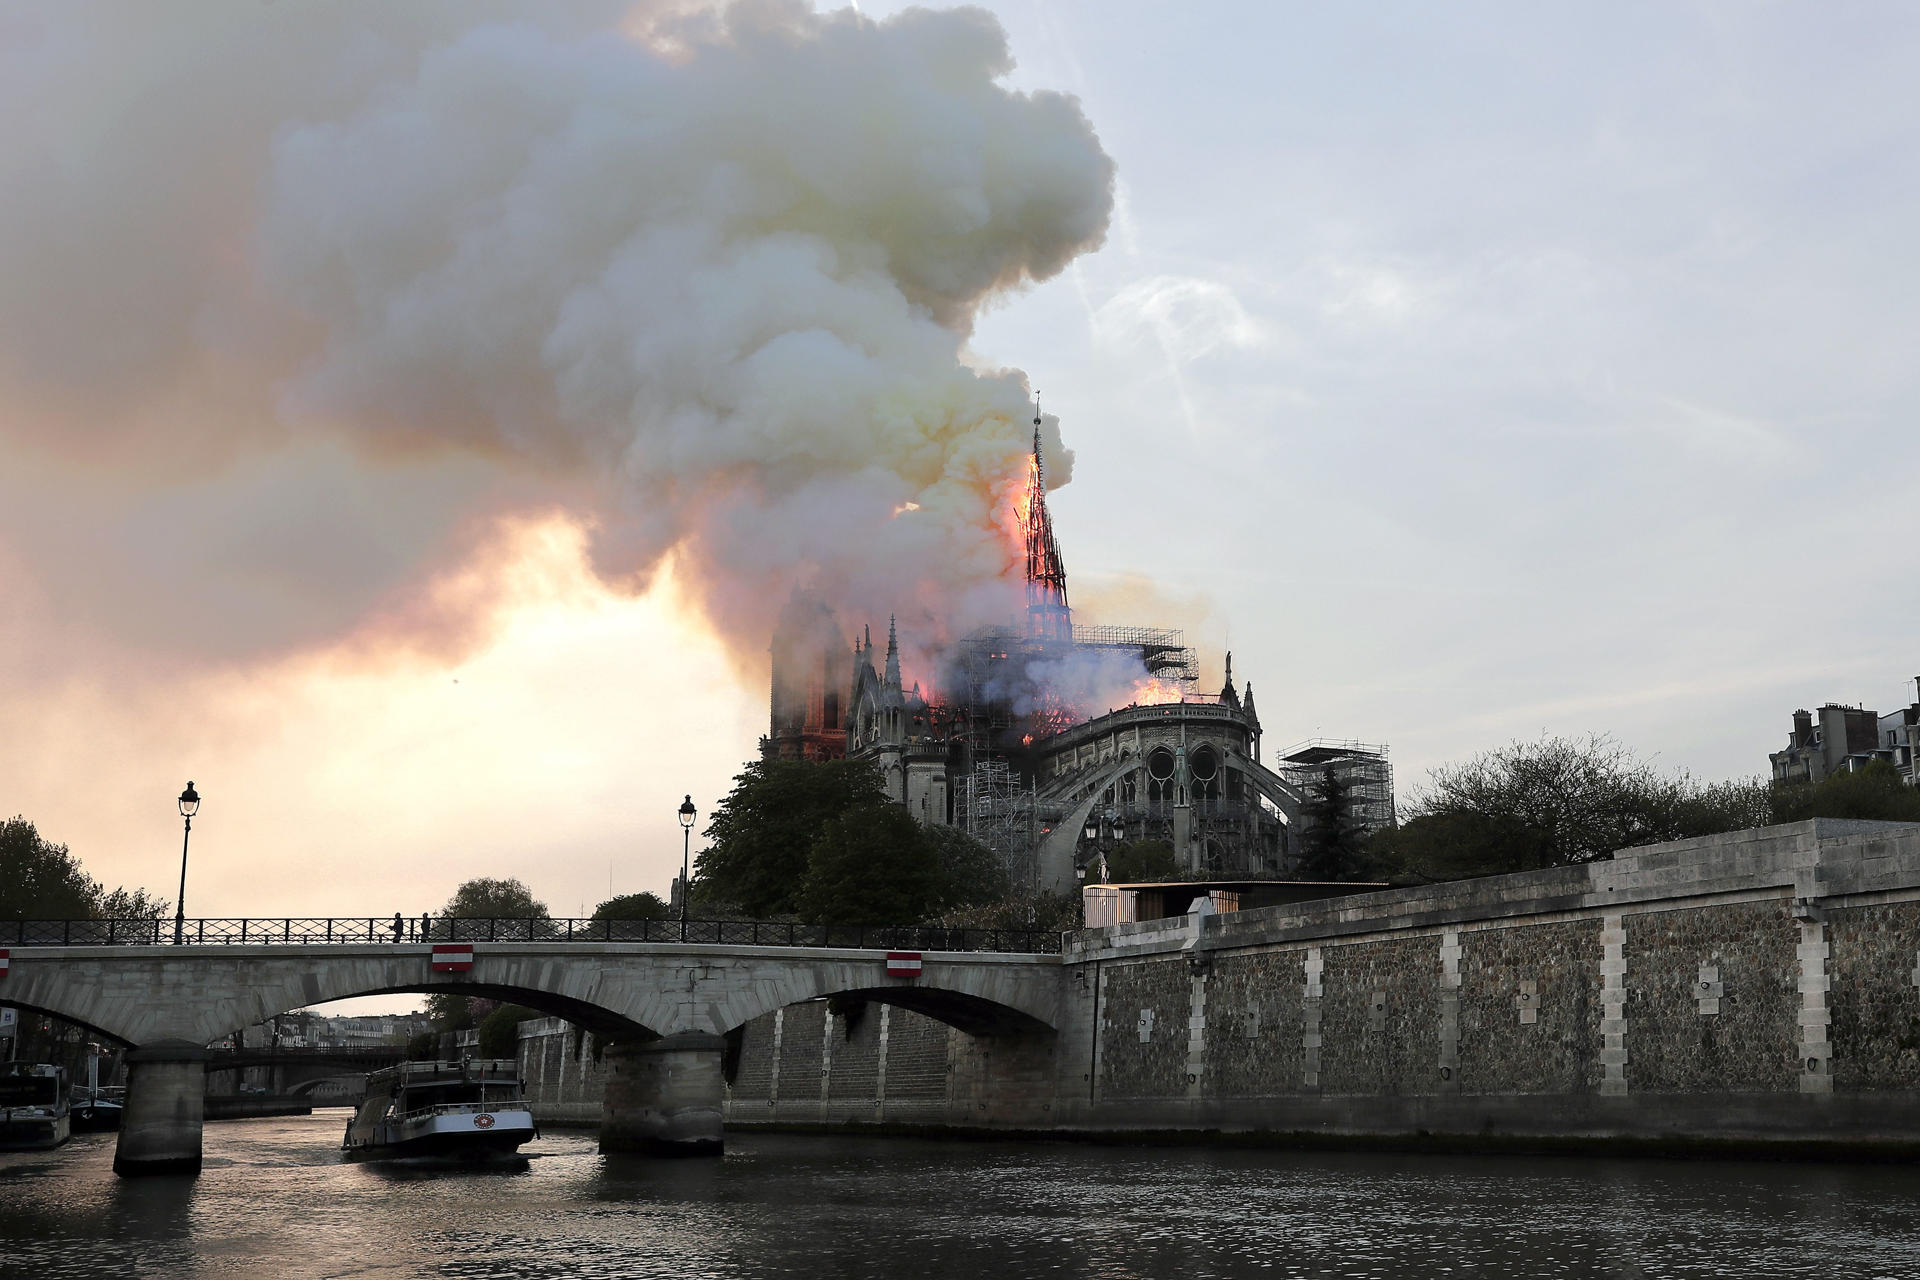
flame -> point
(1153, 691)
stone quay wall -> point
(1757, 987)
(564, 1071)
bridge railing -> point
(309, 931)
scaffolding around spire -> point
(1049, 617)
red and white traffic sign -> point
(903, 964)
(452, 957)
(4, 954)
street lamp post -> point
(687, 813)
(189, 805)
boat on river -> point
(33, 1106)
(475, 1108)
(94, 1107)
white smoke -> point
(701, 277)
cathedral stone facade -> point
(1007, 748)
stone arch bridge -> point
(666, 1009)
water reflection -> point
(276, 1199)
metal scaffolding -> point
(998, 811)
(1363, 768)
(1163, 652)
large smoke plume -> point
(303, 301)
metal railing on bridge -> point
(331, 930)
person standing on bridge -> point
(399, 929)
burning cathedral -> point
(1051, 741)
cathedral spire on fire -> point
(1048, 615)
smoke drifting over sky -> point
(300, 308)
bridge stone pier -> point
(166, 1098)
(665, 1010)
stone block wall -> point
(564, 1071)
(877, 1064)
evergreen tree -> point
(1330, 844)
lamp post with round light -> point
(687, 813)
(189, 805)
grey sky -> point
(1501, 368)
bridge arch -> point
(84, 1019)
(979, 994)
(623, 992)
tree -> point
(1455, 845)
(871, 865)
(1579, 800)
(482, 898)
(1872, 792)
(488, 899)
(761, 836)
(132, 904)
(500, 1030)
(1555, 802)
(971, 874)
(1331, 841)
(1142, 862)
(1042, 912)
(633, 906)
(40, 880)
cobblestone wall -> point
(1380, 1018)
(1144, 1011)
(1713, 999)
(1530, 1008)
(1875, 997)
(1255, 1025)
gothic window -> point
(1203, 769)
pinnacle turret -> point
(893, 657)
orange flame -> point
(1153, 691)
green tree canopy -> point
(488, 899)
(971, 874)
(40, 880)
(1142, 862)
(500, 1030)
(761, 836)
(482, 898)
(871, 865)
(1873, 792)
(633, 906)
(1454, 845)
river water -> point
(275, 1200)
